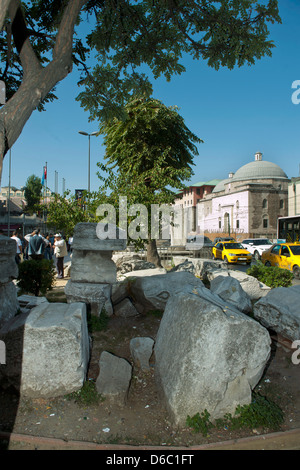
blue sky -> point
(236, 113)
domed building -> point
(247, 203)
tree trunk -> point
(37, 80)
(152, 253)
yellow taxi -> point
(284, 255)
(231, 252)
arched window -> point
(226, 222)
(265, 204)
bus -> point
(288, 229)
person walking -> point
(60, 251)
(15, 236)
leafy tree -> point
(64, 212)
(40, 41)
(33, 193)
(153, 151)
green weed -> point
(87, 395)
(260, 413)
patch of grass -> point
(96, 323)
(87, 395)
(260, 413)
(200, 423)
(157, 313)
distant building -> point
(14, 192)
(12, 206)
(189, 196)
(294, 197)
(187, 201)
(247, 203)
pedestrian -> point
(60, 251)
(48, 248)
(51, 240)
(70, 242)
(15, 236)
(36, 245)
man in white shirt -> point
(19, 246)
(60, 251)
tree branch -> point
(37, 81)
(29, 60)
(3, 10)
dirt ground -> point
(143, 420)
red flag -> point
(44, 177)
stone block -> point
(86, 237)
(9, 304)
(153, 292)
(125, 309)
(230, 290)
(114, 378)
(249, 284)
(207, 357)
(93, 267)
(97, 296)
(279, 311)
(9, 269)
(47, 350)
(141, 350)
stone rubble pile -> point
(209, 354)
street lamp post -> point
(8, 199)
(89, 157)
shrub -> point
(260, 413)
(271, 276)
(87, 395)
(36, 276)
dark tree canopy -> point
(152, 141)
(40, 42)
(33, 193)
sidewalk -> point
(289, 440)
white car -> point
(257, 246)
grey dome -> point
(259, 169)
(256, 170)
(221, 186)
